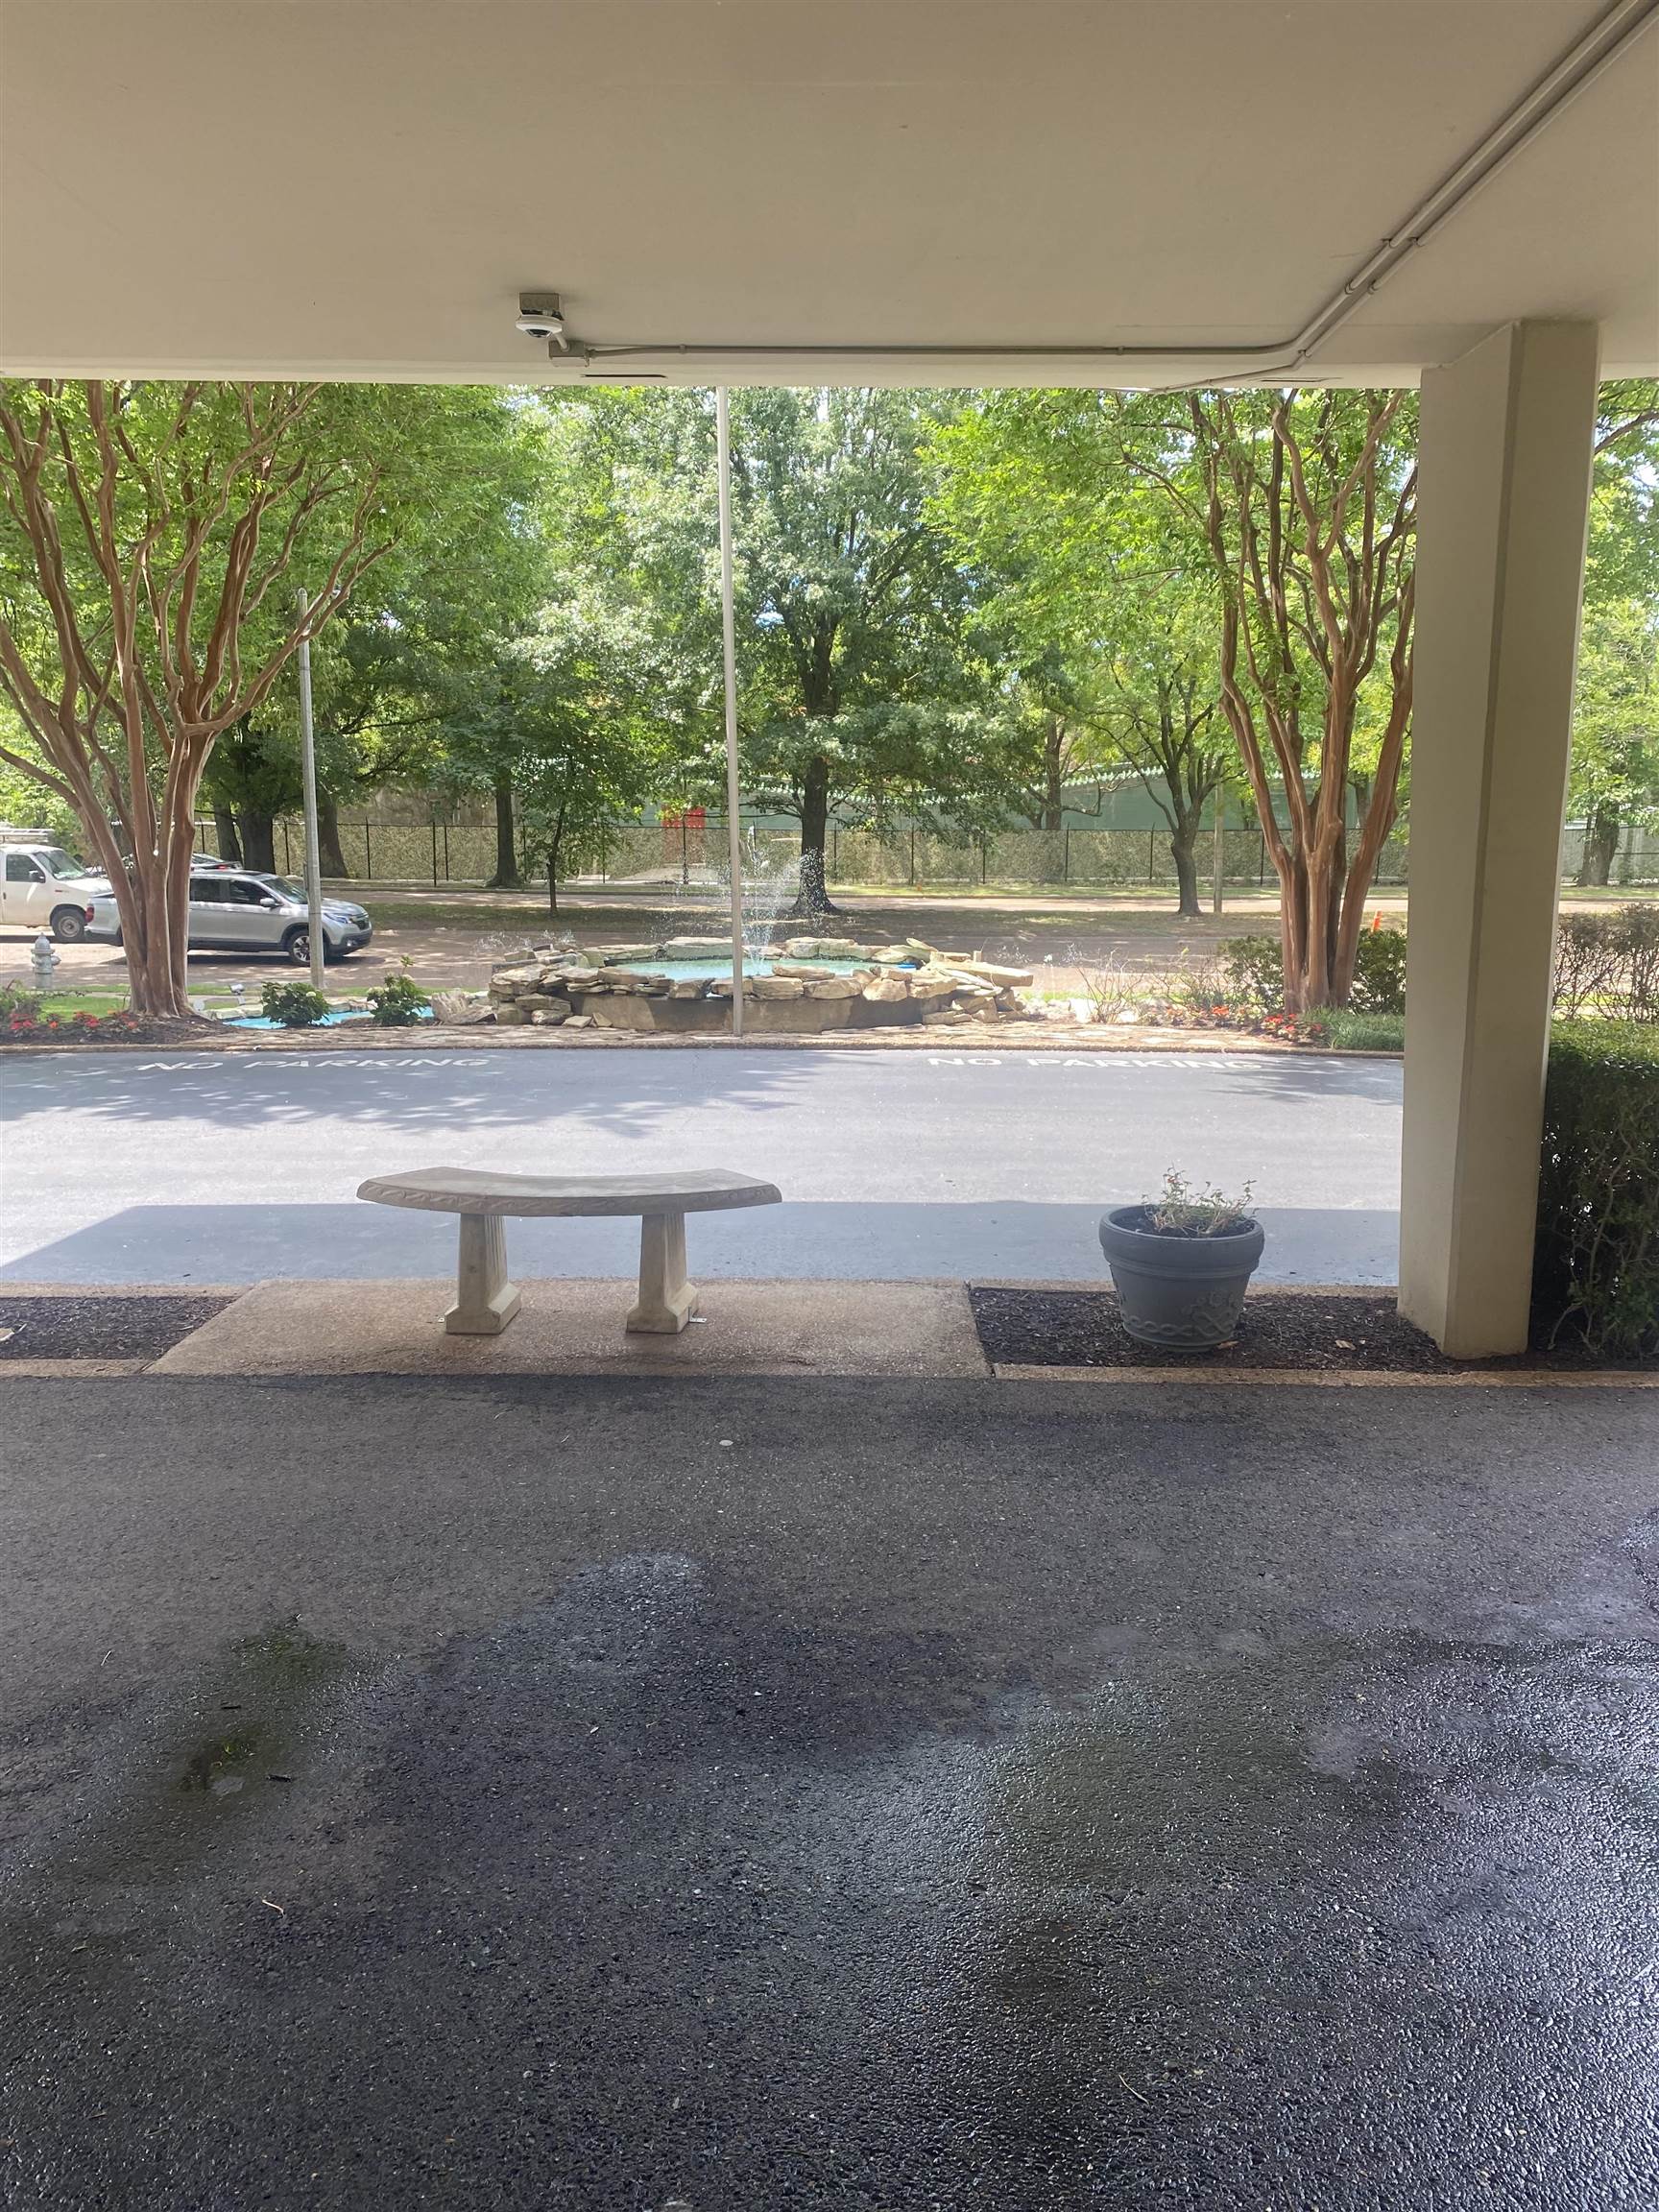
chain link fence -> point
(1636, 861)
(439, 853)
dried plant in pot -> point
(1181, 1264)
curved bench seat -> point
(486, 1301)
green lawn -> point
(63, 1003)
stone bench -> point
(486, 1301)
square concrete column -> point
(1505, 457)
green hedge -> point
(1596, 1277)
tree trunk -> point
(1600, 848)
(258, 833)
(1181, 843)
(225, 828)
(1055, 779)
(506, 876)
(329, 857)
(812, 902)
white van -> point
(43, 888)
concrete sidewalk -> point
(728, 1793)
(575, 1328)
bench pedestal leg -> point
(667, 1299)
(485, 1301)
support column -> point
(1505, 457)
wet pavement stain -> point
(660, 1892)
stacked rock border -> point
(615, 987)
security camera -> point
(541, 314)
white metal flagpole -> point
(308, 765)
(729, 636)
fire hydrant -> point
(43, 957)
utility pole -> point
(308, 764)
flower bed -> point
(21, 1028)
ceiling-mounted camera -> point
(541, 314)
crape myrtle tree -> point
(154, 542)
(142, 529)
(858, 685)
(1306, 506)
(1086, 584)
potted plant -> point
(1181, 1264)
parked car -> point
(43, 888)
(232, 910)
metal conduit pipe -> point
(1595, 50)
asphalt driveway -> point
(736, 1794)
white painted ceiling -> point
(361, 187)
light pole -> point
(308, 768)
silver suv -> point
(235, 911)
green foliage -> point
(1254, 969)
(1614, 777)
(1608, 964)
(1596, 1273)
(1183, 1207)
(858, 680)
(293, 1005)
(1346, 1032)
(18, 1003)
(1091, 585)
(399, 1002)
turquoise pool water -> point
(699, 971)
(329, 1021)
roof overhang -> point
(765, 191)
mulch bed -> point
(1296, 1331)
(72, 1327)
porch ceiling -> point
(360, 188)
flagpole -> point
(729, 639)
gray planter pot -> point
(1183, 1292)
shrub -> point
(398, 1003)
(293, 1005)
(1609, 963)
(1255, 971)
(1201, 986)
(1110, 988)
(1596, 1273)
(1346, 1032)
(18, 1003)
(1254, 968)
(1378, 974)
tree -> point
(858, 680)
(570, 717)
(469, 563)
(1614, 777)
(145, 527)
(1615, 774)
(1081, 583)
(1305, 504)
